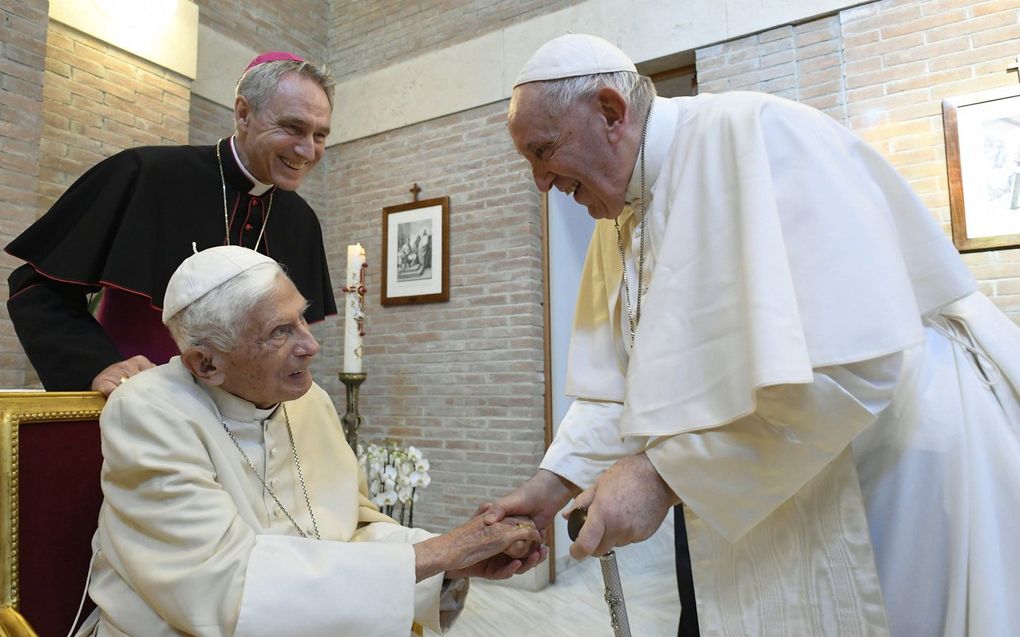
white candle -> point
(354, 315)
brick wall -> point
(98, 100)
(299, 26)
(463, 380)
(883, 69)
(22, 60)
(366, 36)
(800, 62)
(208, 121)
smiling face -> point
(281, 143)
(584, 150)
(270, 362)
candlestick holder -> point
(351, 420)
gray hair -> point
(558, 95)
(258, 84)
(218, 317)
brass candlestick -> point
(351, 420)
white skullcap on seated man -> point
(233, 504)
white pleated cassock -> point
(814, 375)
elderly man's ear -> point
(204, 363)
(613, 107)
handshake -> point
(494, 550)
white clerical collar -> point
(661, 128)
(237, 409)
(259, 188)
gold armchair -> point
(50, 460)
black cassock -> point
(124, 227)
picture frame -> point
(415, 252)
(982, 132)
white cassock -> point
(815, 377)
(189, 542)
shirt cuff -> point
(588, 442)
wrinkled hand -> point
(470, 549)
(503, 566)
(539, 498)
(626, 505)
(111, 377)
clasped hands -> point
(627, 504)
(497, 550)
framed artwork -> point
(983, 165)
(415, 254)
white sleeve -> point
(364, 587)
(588, 442)
(735, 475)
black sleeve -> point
(73, 240)
(65, 344)
(328, 301)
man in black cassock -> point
(129, 221)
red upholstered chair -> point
(50, 460)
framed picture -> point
(983, 164)
(415, 254)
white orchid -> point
(394, 474)
(419, 479)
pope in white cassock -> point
(772, 330)
(232, 502)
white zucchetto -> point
(205, 271)
(573, 55)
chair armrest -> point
(12, 624)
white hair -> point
(218, 317)
(558, 95)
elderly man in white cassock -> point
(772, 330)
(233, 504)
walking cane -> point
(610, 576)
